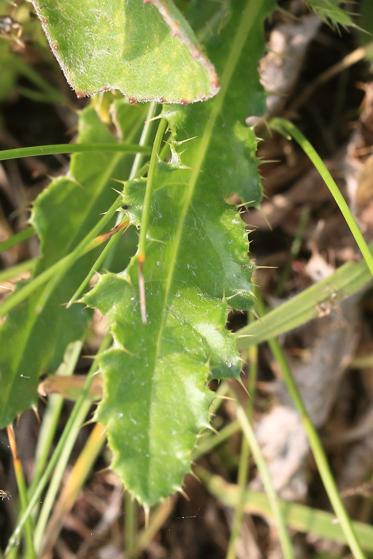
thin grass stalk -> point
(75, 421)
(58, 474)
(51, 93)
(244, 463)
(64, 149)
(87, 244)
(156, 521)
(113, 242)
(52, 415)
(286, 128)
(56, 479)
(17, 239)
(303, 307)
(300, 518)
(130, 522)
(315, 443)
(74, 483)
(286, 546)
(146, 214)
(209, 443)
(296, 245)
(14, 271)
(22, 492)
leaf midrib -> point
(248, 19)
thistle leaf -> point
(155, 378)
(34, 336)
(145, 49)
(331, 12)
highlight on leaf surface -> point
(156, 398)
(144, 49)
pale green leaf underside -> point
(35, 335)
(155, 379)
(145, 50)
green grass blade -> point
(301, 518)
(61, 149)
(52, 414)
(286, 546)
(64, 446)
(22, 492)
(208, 443)
(286, 128)
(244, 463)
(17, 239)
(14, 271)
(61, 266)
(310, 303)
(315, 443)
(110, 247)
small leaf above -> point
(144, 49)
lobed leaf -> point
(155, 378)
(145, 49)
(34, 337)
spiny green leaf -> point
(145, 49)
(155, 395)
(331, 12)
(36, 333)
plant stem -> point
(14, 271)
(74, 483)
(22, 491)
(130, 523)
(244, 464)
(286, 128)
(17, 239)
(300, 518)
(146, 215)
(315, 443)
(57, 478)
(87, 244)
(208, 443)
(157, 520)
(52, 415)
(294, 250)
(51, 93)
(285, 542)
(61, 149)
(110, 246)
(70, 432)
(150, 183)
